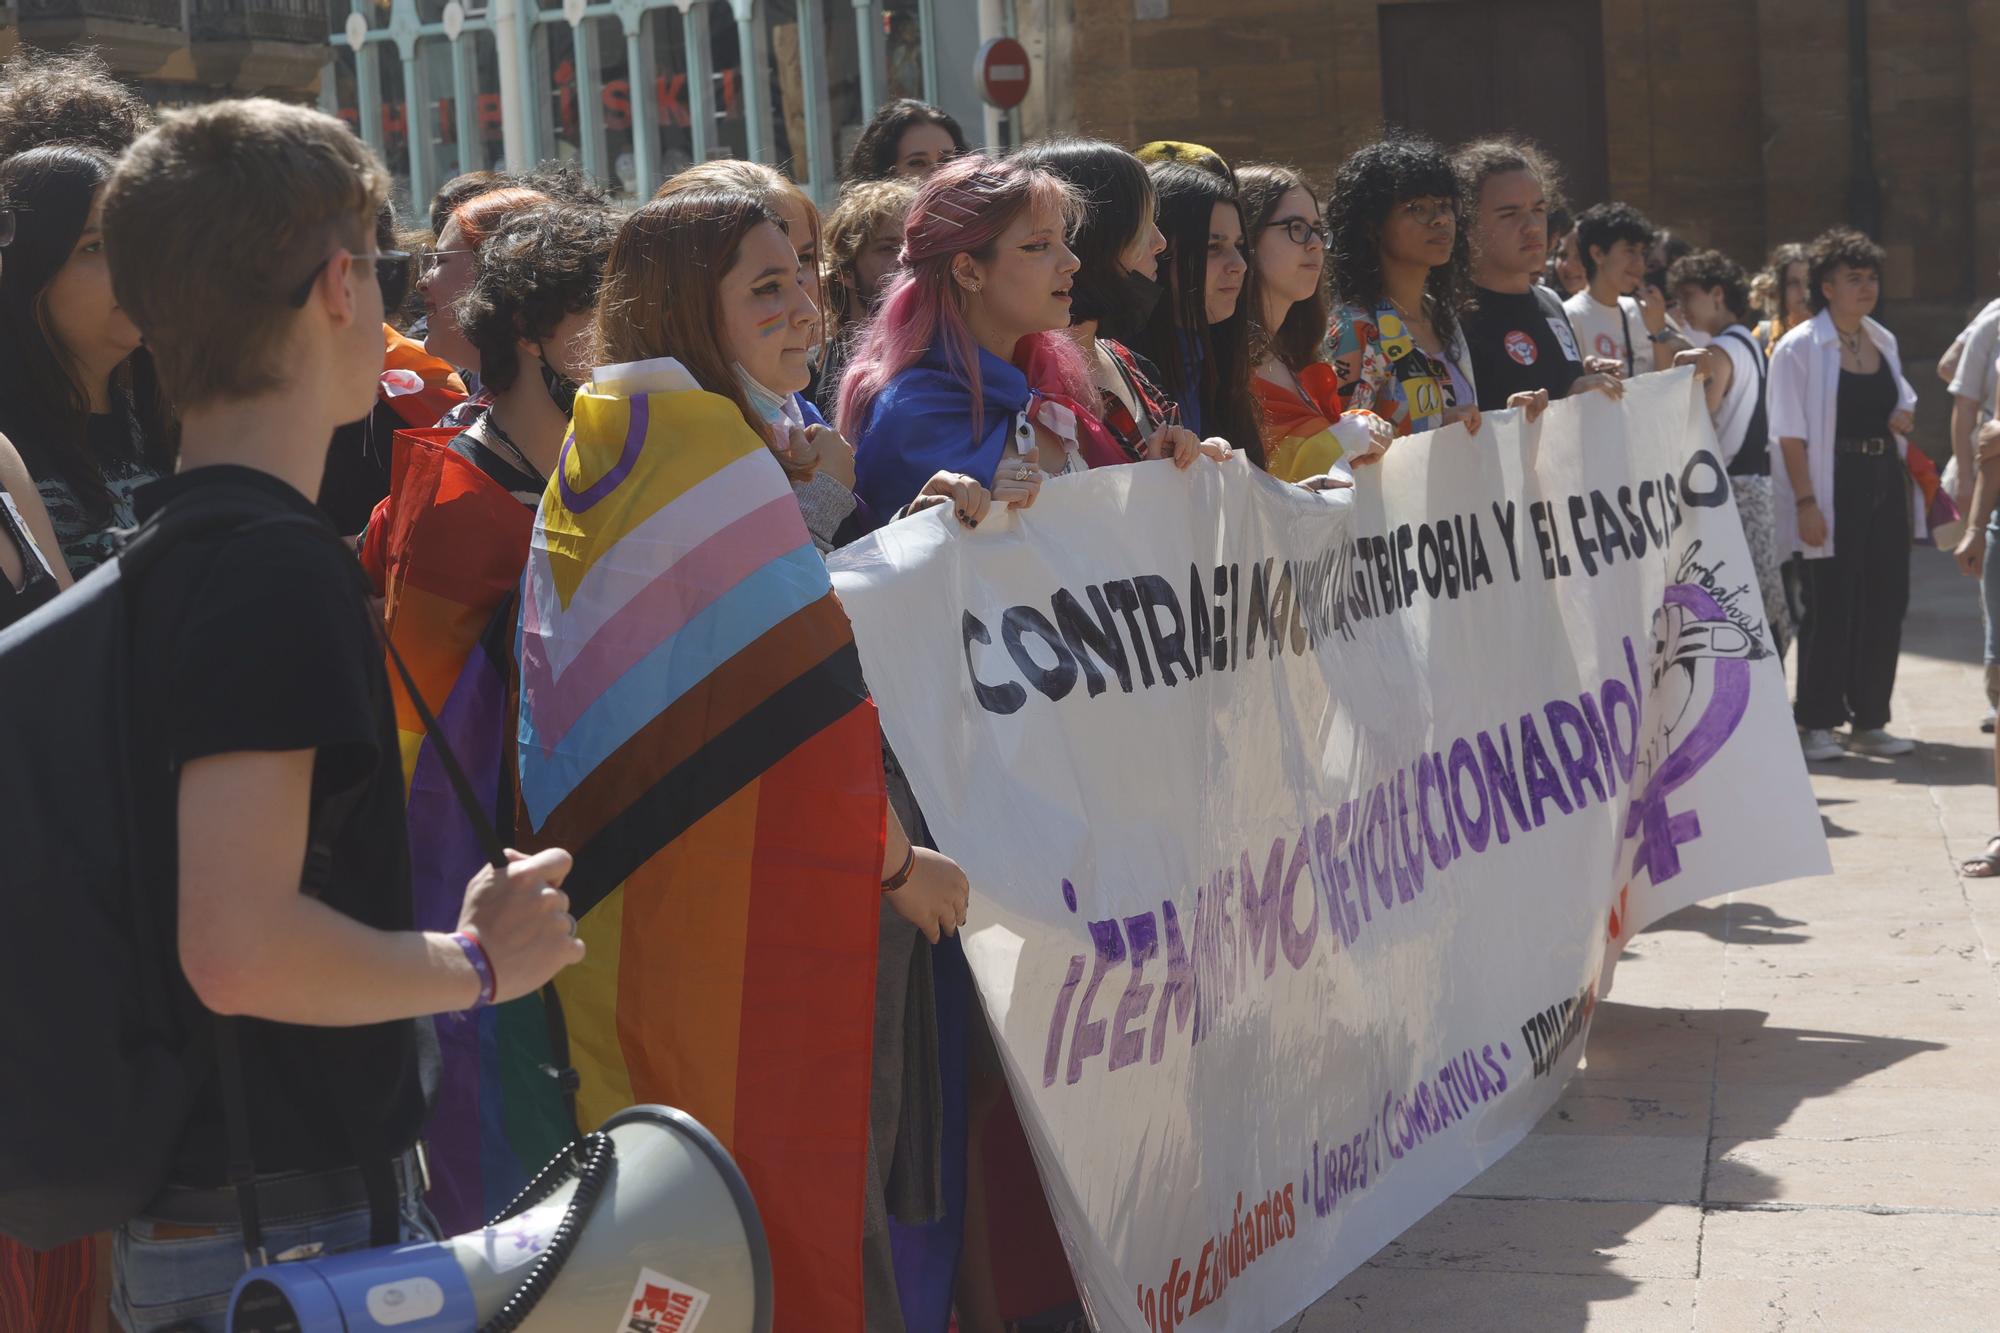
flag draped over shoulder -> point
(446, 550)
(694, 729)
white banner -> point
(1303, 830)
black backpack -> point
(99, 1075)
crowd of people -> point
(225, 299)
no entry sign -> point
(1001, 72)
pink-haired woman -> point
(966, 367)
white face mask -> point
(774, 409)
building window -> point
(672, 101)
(903, 31)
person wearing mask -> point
(707, 275)
(967, 366)
(1609, 316)
(906, 138)
(1114, 294)
(241, 241)
(859, 254)
(528, 315)
(1306, 434)
(1714, 297)
(1402, 270)
(1840, 410)
(78, 394)
(1524, 352)
(818, 459)
(1780, 293)
(1199, 333)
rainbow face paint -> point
(767, 327)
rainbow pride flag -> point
(446, 550)
(694, 729)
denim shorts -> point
(166, 1281)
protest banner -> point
(1304, 830)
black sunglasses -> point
(392, 275)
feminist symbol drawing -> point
(1699, 654)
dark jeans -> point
(1855, 599)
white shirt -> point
(1608, 330)
(1739, 404)
(1976, 378)
(1802, 401)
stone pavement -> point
(1790, 1112)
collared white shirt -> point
(1801, 400)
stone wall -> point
(1727, 120)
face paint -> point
(767, 327)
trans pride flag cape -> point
(694, 729)
(446, 550)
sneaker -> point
(1819, 744)
(1879, 743)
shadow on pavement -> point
(1540, 1252)
(1733, 923)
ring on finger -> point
(569, 922)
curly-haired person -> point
(1620, 315)
(1400, 249)
(528, 312)
(1840, 412)
(49, 97)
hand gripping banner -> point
(1304, 831)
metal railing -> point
(162, 13)
(269, 20)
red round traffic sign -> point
(1001, 72)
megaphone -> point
(646, 1226)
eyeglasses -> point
(392, 273)
(6, 227)
(430, 261)
(1302, 232)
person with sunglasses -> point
(274, 786)
(1305, 436)
(415, 390)
(445, 272)
(78, 395)
(1402, 266)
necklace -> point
(1852, 342)
(489, 426)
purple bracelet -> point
(475, 953)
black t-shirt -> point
(260, 641)
(1520, 341)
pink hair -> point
(962, 208)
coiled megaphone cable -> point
(589, 1159)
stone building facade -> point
(1740, 123)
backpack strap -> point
(210, 513)
(1759, 424)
